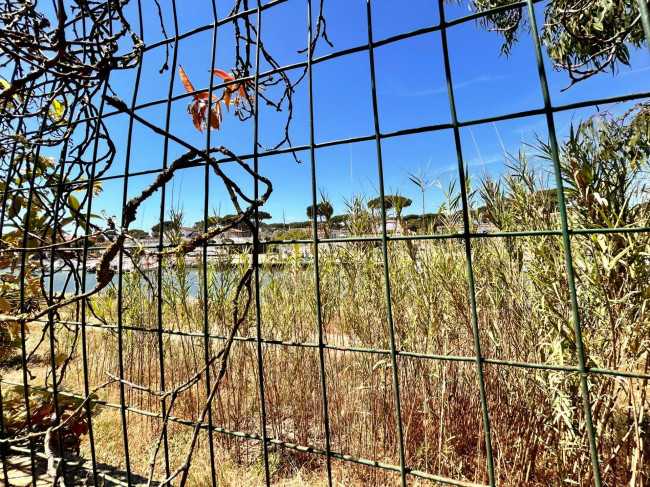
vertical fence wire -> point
(256, 245)
(160, 258)
(50, 317)
(566, 243)
(467, 243)
(384, 247)
(314, 223)
(23, 264)
(204, 267)
(120, 264)
(11, 172)
(86, 245)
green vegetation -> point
(582, 38)
(524, 314)
(139, 234)
(39, 227)
(168, 226)
(295, 234)
(523, 295)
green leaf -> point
(59, 358)
(16, 206)
(73, 202)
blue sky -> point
(411, 92)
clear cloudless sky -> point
(411, 92)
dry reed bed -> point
(537, 420)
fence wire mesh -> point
(39, 313)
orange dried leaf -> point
(79, 428)
(42, 413)
(204, 96)
(223, 75)
(242, 92)
(186, 82)
(226, 98)
(215, 117)
(229, 90)
(196, 117)
(239, 87)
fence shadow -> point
(78, 472)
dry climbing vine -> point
(55, 148)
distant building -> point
(480, 228)
(486, 228)
(391, 226)
(149, 241)
(238, 233)
(189, 232)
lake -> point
(63, 277)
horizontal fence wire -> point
(254, 10)
(388, 135)
(395, 238)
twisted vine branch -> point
(60, 69)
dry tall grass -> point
(523, 306)
(537, 418)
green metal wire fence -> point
(256, 14)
